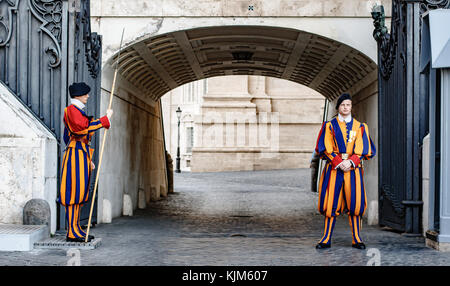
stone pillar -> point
(444, 229)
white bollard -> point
(127, 205)
(107, 212)
(372, 218)
(142, 204)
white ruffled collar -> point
(77, 103)
(346, 119)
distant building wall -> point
(282, 121)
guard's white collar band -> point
(346, 119)
(77, 103)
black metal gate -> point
(403, 105)
(45, 45)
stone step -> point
(59, 242)
(16, 237)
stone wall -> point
(28, 161)
(226, 8)
(256, 123)
(346, 21)
(133, 158)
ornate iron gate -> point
(402, 113)
(45, 45)
(86, 51)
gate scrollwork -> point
(6, 24)
(91, 41)
(428, 5)
(387, 42)
(49, 12)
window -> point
(189, 139)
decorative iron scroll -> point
(91, 41)
(387, 42)
(49, 12)
(6, 25)
(428, 5)
(93, 46)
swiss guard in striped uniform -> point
(343, 142)
(77, 164)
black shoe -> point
(359, 245)
(323, 245)
(78, 239)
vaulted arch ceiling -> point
(158, 64)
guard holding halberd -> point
(77, 162)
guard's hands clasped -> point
(345, 166)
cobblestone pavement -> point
(236, 218)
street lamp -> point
(178, 111)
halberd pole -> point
(104, 139)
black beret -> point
(342, 98)
(79, 89)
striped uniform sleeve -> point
(325, 145)
(364, 147)
(78, 124)
(96, 124)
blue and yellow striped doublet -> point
(341, 191)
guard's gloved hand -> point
(109, 113)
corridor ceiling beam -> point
(150, 59)
(161, 63)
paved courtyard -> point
(236, 218)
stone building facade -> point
(245, 122)
(189, 98)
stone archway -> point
(155, 64)
(162, 62)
